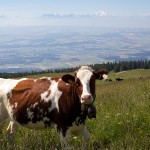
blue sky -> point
(33, 12)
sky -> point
(128, 13)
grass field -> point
(122, 123)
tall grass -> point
(123, 120)
(123, 115)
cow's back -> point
(7, 84)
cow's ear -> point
(97, 76)
(68, 78)
(100, 74)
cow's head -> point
(84, 81)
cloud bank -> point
(99, 18)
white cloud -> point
(102, 13)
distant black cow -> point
(119, 79)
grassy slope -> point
(123, 118)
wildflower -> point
(119, 114)
(75, 137)
(106, 116)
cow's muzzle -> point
(86, 99)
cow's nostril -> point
(88, 96)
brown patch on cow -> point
(92, 85)
(69, 105)
(62, 86)
(27, 97)
(56, 79)
(24, 85)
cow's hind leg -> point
(3, 115)
(11, 131)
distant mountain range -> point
(40, 48)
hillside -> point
(124, 74)
(123, 117)
(135, 74)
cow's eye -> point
(78, 83)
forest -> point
(110, 66)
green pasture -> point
(122, 122)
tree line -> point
(123, 65)
(110, 66)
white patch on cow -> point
(43, 97)
(46, 119)
(9, 108)
(86, 67)
(8, 84)
(15, 105)
(105, 76)
(54, 95)
(35, 104)
(30, 114)
(85, 75)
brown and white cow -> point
(46, 102)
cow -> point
(60, 103)
(119, 79)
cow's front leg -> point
(86, 138)
(64, 140)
